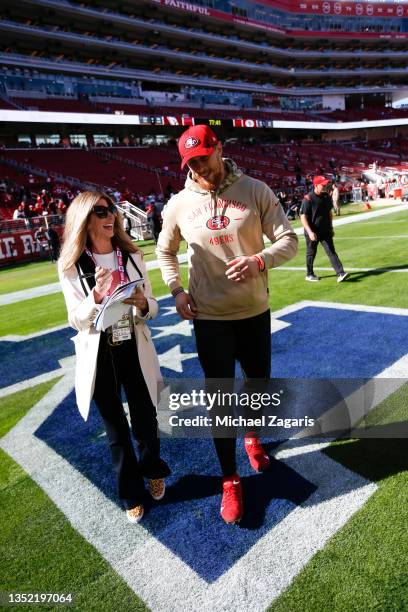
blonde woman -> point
(96, 256)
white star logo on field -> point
(170, 310)
(183, 328)
(173, 359)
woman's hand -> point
(138, 299)
(103, 280)
(241, 268)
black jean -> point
(116, 366)
(219, 345)
(328, 245)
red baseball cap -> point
(320, 180)
(196, 141)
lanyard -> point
(120, 263)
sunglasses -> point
(102, 211)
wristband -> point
(260, 262)
(176, 291)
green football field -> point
(364, 566)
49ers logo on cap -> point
(218, 222)
(191, 142)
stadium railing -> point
(33, 223)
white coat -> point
(81, 313)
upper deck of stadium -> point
(265, 47)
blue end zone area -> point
(187, 520)
(35, 356)
(319, 342)
(335, 343)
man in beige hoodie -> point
(223, 215)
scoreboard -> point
(180, 120)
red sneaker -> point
(231, 505)
(258, 458)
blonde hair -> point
(76, 228)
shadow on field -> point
(280, 482)
(355, 277)
(377, 456)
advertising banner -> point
(19, 246)
(309, 7)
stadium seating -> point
(97, 168)
(153, 169)
(7, 105)
(61, 105)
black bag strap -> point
(86, 265)
(127, 256)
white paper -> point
(113, 308)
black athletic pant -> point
(328, 245)
(117, 366)
(219, 345)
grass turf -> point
(33, 315)
(14, 407)
(44, 312)
(368, 244)
(28, 275)
(41, 552)
(364, 567)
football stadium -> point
(299, 94)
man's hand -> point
(312, 236)
(185, 306)
(103, 280)
(241, 268)
(138, 299)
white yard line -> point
(303, 268)
(384, 237)
(370, 215)
(28, 294)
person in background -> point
(335, 194)
(42, 241)
(293, 208)
(54, 243)
(154, 218)
(283, 199)
(316, 218)
(96, 257)
(127, 225)
(19, 213)
(61, 207)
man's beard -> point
(211, 182)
